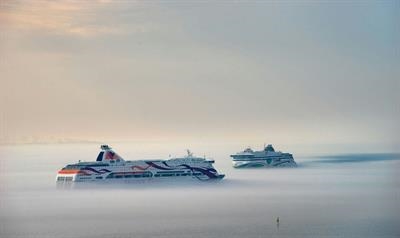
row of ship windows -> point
(173, 175)
(61, 178)
(145, 175)
(130, 176)
(80, 166)
(90, 177)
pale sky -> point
(258, 71)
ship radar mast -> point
(189, 153)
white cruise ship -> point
(264, 158)
(110, 166)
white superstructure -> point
(264, 158)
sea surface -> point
(334, 195)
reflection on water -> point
(318, 199)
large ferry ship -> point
(264, 158)
(110, 166)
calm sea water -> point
(331, 196)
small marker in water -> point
(277, 223)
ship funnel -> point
(108, 155)
(269, 148)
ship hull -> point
(94, 179)
(263, 163)
(140, 171)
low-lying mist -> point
(331, 196)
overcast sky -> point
(279, 71)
